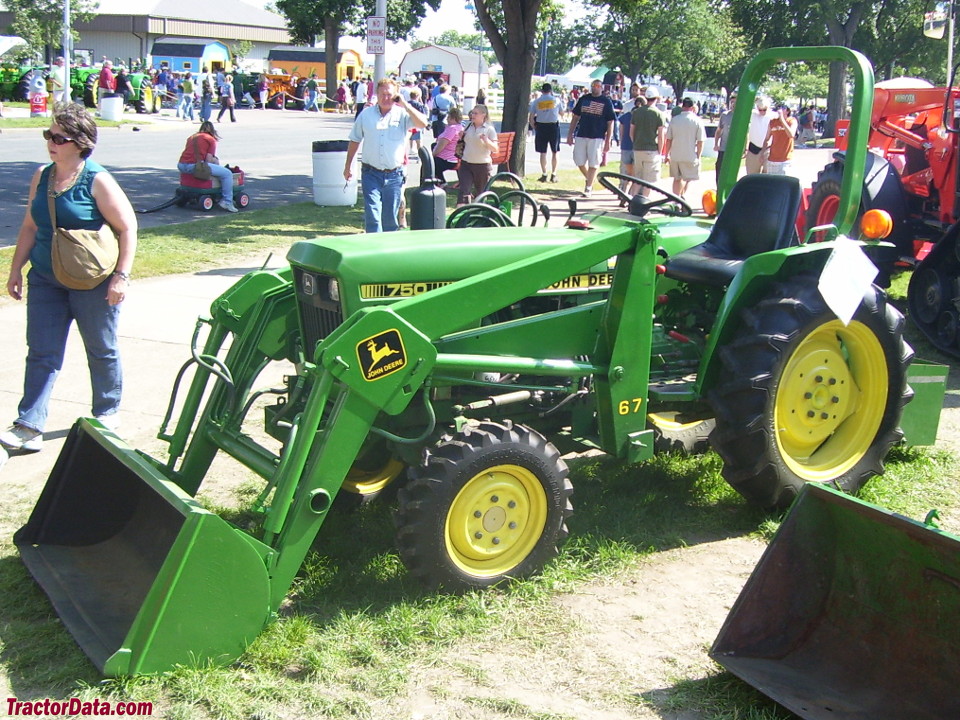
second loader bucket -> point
(851, 613)
(141, 575)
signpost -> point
(377, 40)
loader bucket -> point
(850, 613)
(141, 575)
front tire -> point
(804, 398)
(489, 504)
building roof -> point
(302, 54)
(183, 47)
(232, 12)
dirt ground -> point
(634, 638)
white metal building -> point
(126, 30)
(463, 68)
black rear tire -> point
(490, 503)
(803, 398)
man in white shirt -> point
(361, 97)
(756, 157)
(58, 79)
(383, 130)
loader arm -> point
(381, 357)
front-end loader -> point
(446, 365)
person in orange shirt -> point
(780, 134)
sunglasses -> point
(57, 139)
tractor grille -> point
(320, 314)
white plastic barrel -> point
(329, 187)
(111, 107)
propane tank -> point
(428, 203)
(38, 96)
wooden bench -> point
(502, 155)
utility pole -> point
(67, 51)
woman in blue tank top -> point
(85, 197)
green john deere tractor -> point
(444, 364)
(84, 82)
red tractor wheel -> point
(242, 200)
(825, 199)
(206, 203)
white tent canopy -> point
(578, 75)
(8, 42)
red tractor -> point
(911, 172)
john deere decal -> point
(381, 355)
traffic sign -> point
(376, 35)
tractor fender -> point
(757, 278)
(882, 188)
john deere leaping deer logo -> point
(381, 355)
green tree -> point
(685, 42)
(40, 22)
(307, 19)
(886, 31)
(567, 46)
(512, 27)
(240, 49)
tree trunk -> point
(331, 40)
(516, 104)
(517, 53)
(836, 100)
(840, 32)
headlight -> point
(334, 290)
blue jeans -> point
(311, 100)
(206, 106)
(186, 106)
(51, 309)
(219, 172)
(382, 192)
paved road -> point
(273, 147)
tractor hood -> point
(445, 255)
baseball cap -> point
(652, 92)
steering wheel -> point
(639, 205)
(478, 215)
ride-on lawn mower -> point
(444, 367)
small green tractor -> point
(84, 82)
(445, 365)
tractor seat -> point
(759, 215)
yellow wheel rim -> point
(367, 482)
(831, 400)
(667, 422)
(496, 520)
